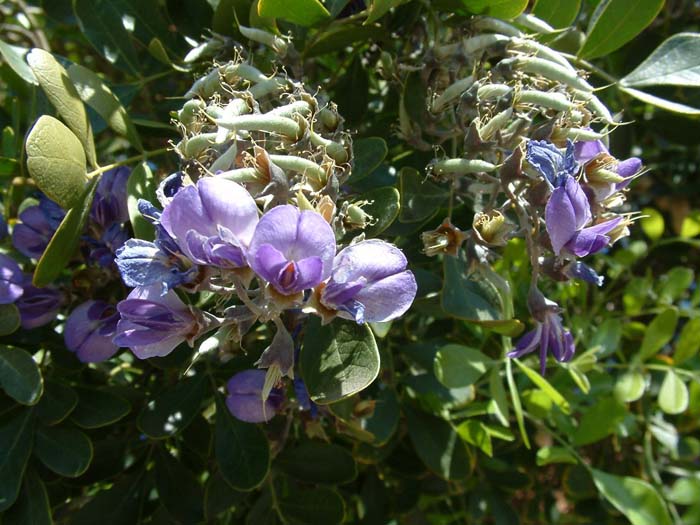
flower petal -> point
(560, 219)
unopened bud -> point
(356, 217)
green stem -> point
(594, 69)
(141, 156)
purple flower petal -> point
(38, 306)
(244, 399)
(592, 239)
(89, 331)
(11, 280)
(527, 343)
(587, 150)
(560, 219)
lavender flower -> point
(550, 162)
(212, 222)
(89, 331)
(292, 250)
(566, 215)
(605, 173)
(38, 306)
(245, 399)
(38, 224)
(103, 250)
(370, 282)
(11, 280)
(152, 325)
(109, 205)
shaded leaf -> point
(19, 375)
(506, 9)
(378, 8)
(668, 105)
(178, 489)
(9, 319)
(688, 342)
(549, 455)
(599, 421)
(368, 154)
(658, 333)
(173, 409)
(316, 462)
(301, 12)
(32, 506)
(310, 506)
(63, 449)
(420, 199)
(117, 505)
(457, 366)
(16, 438)
(98, 408)
(383, 206)
(14, 57)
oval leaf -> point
(32, 506)
(16, 438)
(673, 396)
(56, 161)
(9, 319)
(98, 408)
(56, 404)
(688, 342)
(383, 206)
(630, 387)
(506, 9)
(368, 154)
(546, 387)
(676, 62)
(65, 450)
(14, 56)
(456, 366)
(300, 12)
(658, 333)
(311, 506)
(557, 13)
(19, 375)
(316, 462)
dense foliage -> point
(382, 262)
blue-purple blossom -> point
(37, 225)
(550, 162)
(245, 398)
(89, 331)
(103, 250)
(38, 306)
(370, 282)
(11, 280)
(566, 215)
(292, 250)
(109, 205)
(152, 325)
(593, 155)
(169, 187)
(579, 270)
(549, 335)
(212, 222)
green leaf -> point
(383, 205)
(61, 92)
(310, 506)
(474, 432)
(99, 97)
(219, 496)
(65, 241)
(456, 366)
(652, 223)
(300, 12)
(16, 438)
(559, 14)
(242, 450)
(64, 449)
(98, 408)
(546, 387)
(630, 387)
(178, 489)
(505, 9)
(56, 161)
(685, 491)
(673, 396)
(378, 8)
(32, 506)
(19, 375)
(56, 404)
(172, 410)
(352, 92)
(117, 505)
(9, 319)
(499, 403)
(636, 499)
(674, 283)
(337, 37)
(316, 462)
(14, 57)
(688, 342)
(676, 62)
(420, 199)
(549, 455)
(368, 154)
(614, 24)
(691, 225)
(141, 185)
(599, 421)
(468, 297)
(658, 333)
(338, 360)
(385, 419)
(668, 105)
(437, 444)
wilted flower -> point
(292, 250)
(152, 324)
(38, 306)
(89, 331)
(446, 238)
(550, 162)
(492, 228)
(38, 223)
(369, 283)
(245, 398)
(11, 280)
(212, 222)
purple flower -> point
(549, 335)
(550, 162)
(38, 224)
(11, 280)
(212, 222)
(38, 306)
(245, 398)
(579, 270)
(109, 206)
(292, 250)
(89, 331)
(595, 157)
(566, 215)
(370, 282)
(103, 250)
(152, 325)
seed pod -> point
(551, 71)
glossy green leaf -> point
(63, 449)
(599, 421)
(14, 57)
(66, 239)
(499, 402)
(557, 13)
(688, 342)
(16, 438)
(141, 185)
(56, 161)
(673, 395)
(457, 366)
(506, 9)
(659, 333)
(614, 24)
(368, 154)
(549, 455)
(9, 319)
(338, 359)
(242, 450)
(468, 296)
(652, 223)
(173, 409)
(474, 433)
(685, 491)
(300, 12)
(316, 462)
(178, 489)
(420, 198)
(57, 403)
(98, 408)
(99, 97)
(630, 386)
(383, 206)
(384, 421)
(378, 8)
(310, 506)
(546, 387)
(61, 92)
(20, 377)
(635, 498)
(668, 105)
(32, 506)
(675, 62)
